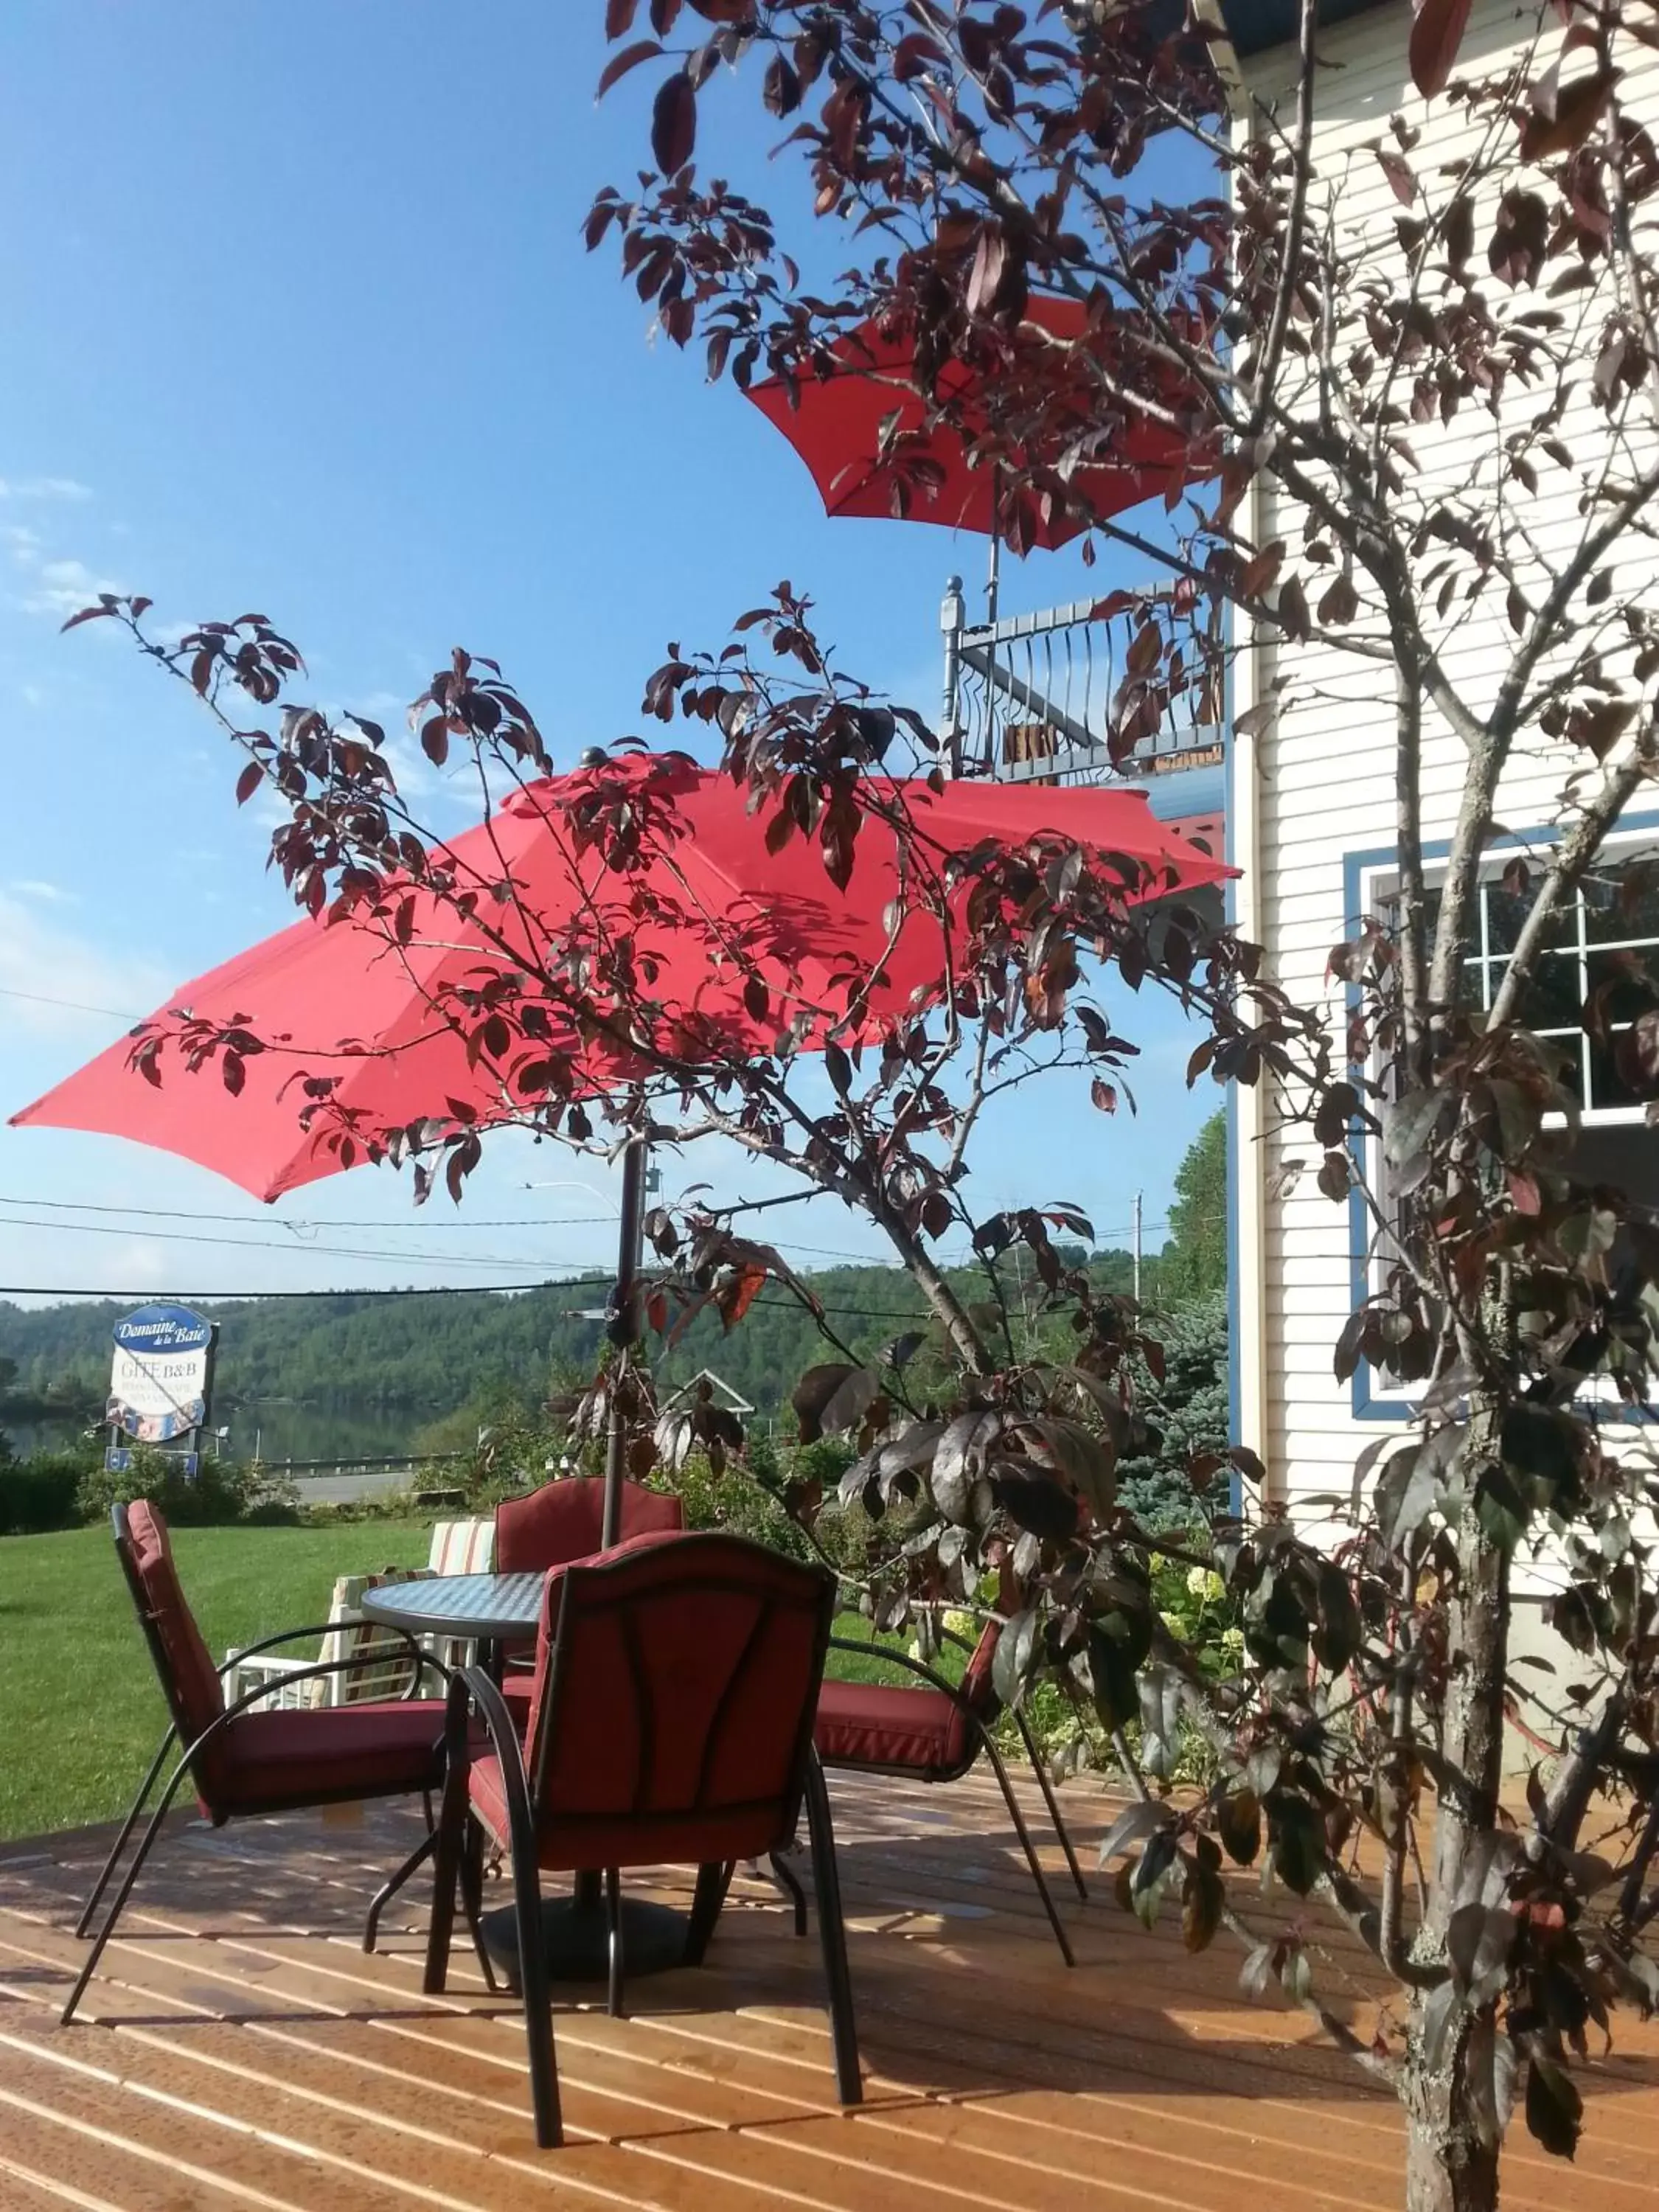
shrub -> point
(40, 1493)
(223, 1490)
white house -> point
(1310, 802)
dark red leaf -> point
(1562, 124)
(674, 123)
(248, 782)
(619, 65)
(1437, 35)
(782, 88)
(913, 55)
(1398, 170)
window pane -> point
(1506, 911)
(1623, 902)
(1629, 980)
(1550, 1001)
(1608, 1086)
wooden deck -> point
(240, 2050)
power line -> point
(418, 1291)
(74, 1006)
(276, 1244)
(440, 1223)
(298, 1222)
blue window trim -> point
(1367, 1406)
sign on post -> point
(160, 1379)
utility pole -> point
(1137, 1247)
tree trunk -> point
(1448, 2168)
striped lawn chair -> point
(460, 1547)
(375, 1674)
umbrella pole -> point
(992, 582)
(624, 1329)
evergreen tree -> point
(1194, 1262)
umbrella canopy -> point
(837, 424)
(707, 907)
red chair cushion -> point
(194, 1693)
(517, 1687)
(562, 1521)
(195, 1679)
(909, 1726)
(276, 1759)
(878, 1724)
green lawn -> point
(82, 1711)
(79, 1704)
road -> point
(347, 1489)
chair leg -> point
(82, 1926)
(784, 1874)
(123, 1893)
(472, 1876)
(832, 1935)
(538, 2000)
(1026, 1846)
(1051, 1802)
(613, 1921)
(446, 1878)
(454, 1809)
(393, 1883)
(713, 1880)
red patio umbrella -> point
(346, 1000)
(836, 423)
(337, 999)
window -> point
(1602, 949)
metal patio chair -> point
(671, 1722)
(243, 1762)
(932, 1733)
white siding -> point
(1322, 772)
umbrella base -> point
(576, 1939)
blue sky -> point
(299, 317)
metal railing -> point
(1032, 698)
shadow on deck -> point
(239, 2049)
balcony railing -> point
(1030, 699)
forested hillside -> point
(423, 1356)
(428, 1353)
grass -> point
(80, 1706)
(81, 1710)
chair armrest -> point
(269, 1644)
(878, 1651)
(310, 1670)
(473, 1688)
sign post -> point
(160, 1382)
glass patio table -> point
(499, 1611)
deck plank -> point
(238, 2050)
